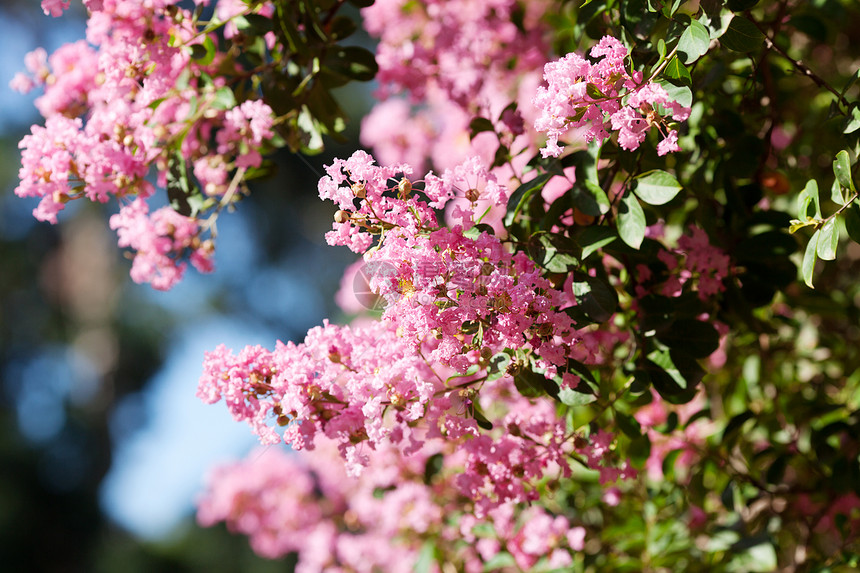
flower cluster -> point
(161, 242)
(452, 61)
(365, 389)
(305, 504)
(468, 292)
(602, 96)
(130, 106)
(695, 258)
(460, 47)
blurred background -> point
(103, 444)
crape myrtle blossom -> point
(128, 108)
(161, 242)
(603, 96)
(463, 317)
(305, 504)
(443, 280)
(366, 388)
(457, 46)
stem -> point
(800, 66)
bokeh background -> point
(103, 444)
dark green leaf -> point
(628, 425)
(479, 124)
(811, 191)
(596, 297)
(852, 222)
(741, 5)
(742, 35)
(522, 195)
(595, 237)
(432, 467)
(498, 366)
(640, 449)
(342, 27)
(631, 221)
(735, 424)
(699, 339)
(253, 24)
(354, 62)
(593, 201)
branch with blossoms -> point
(593, 352)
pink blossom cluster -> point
(127, 107)
(695, 258)
(439, 281)
(56, 8)
(602, 96)
(366, 389)
(161, 242)
(306, 505)
(452, 61)
(456, 46)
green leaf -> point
(522, 195)
(811, 191)
(342, 27)
(596, 297)
(697, 338)
(656, 187)
(674, 374)
(178, 185)
(556, 253)
(742, 35)
(836, 193)
(253, 24)
(224, 99)
(828, 240)
(594, 201)
(694, 42)
(631, 221)
(593, 92)
(681, 94)
(640, 449)
(498, 366)
(570, 397)
(842, 170)
(741, 5)
(628, 424)
(677, 72)
(808, 264)
(852, 123)
(595, 237)
(354, 62)
(852, 222)
(204, 53)
(501, 560)
(426, 558)
(479, 124)
(735, 424)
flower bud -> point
(359, 189)
(342, 216)
(404, 187)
